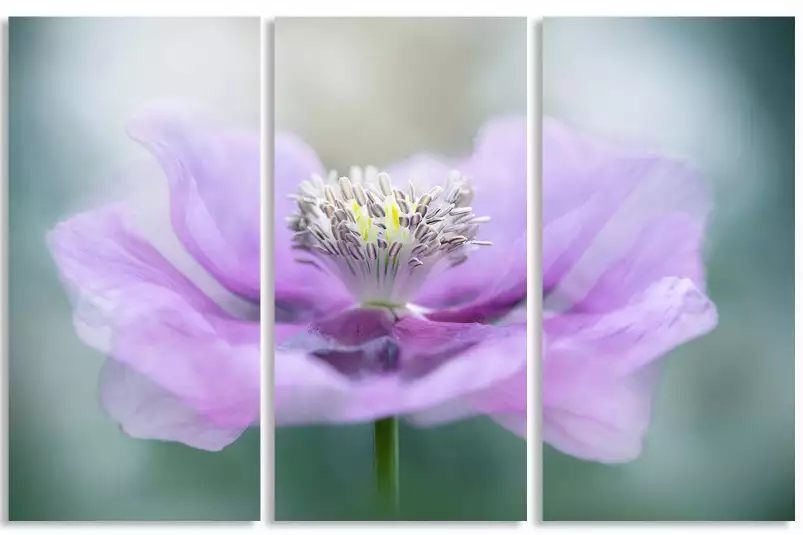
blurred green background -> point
(719, 92)
(374, 91)
(73, 85)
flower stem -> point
(386, 456)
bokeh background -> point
(719, 92)
(73, 85)
(374, 91)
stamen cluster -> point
(382, 241)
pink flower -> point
(623, 284)
(180, 367)
(390, 285)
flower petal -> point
(606, 423)
(599, 369)
(583, 350)
(495, 284)
(213, 174)
(132, 304)
(144, 410)
(437, 363)
(497, 167)
(493, 279)
(302, 292)
(499, 170)
(615, 221)
(505, 401)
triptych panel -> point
(334, 269)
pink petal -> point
(584, 349)
(598, 369)
(607, 422)
(499, 169)
(615, 221)
(496, 283)
(132, 304)
(147, 411)
(494, 278)
(209, 363)
(440, 363)
(624, 284)
(213, 174)
(302, 292)
(283, 331)
(505, 401)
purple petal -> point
(302, 292)
(132, 304)
(584, 349)
(494, 278)
(361, 366)
(516, 316)
(505, 401)
(606, 423)
(283, 331)
(623, 284)
(615, 221)
(597, 370)
(496, 283)
(499, 169)
(147, 411)
(213, 174)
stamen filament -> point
(362, 229)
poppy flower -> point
(393, 285)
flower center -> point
(383, 242)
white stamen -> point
(381, 241)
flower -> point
(623, 284)
(396, 290)
(180, 367)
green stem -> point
(386, 456)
